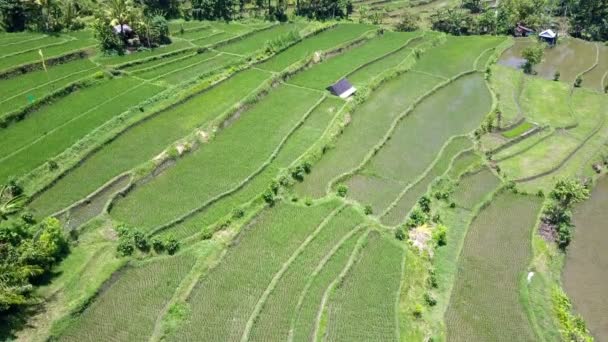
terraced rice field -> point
(585, 273)
(287, 203)
(485, 302)
(461, 105)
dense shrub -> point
(342, 190)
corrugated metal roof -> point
(341, 87)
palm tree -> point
(45, 6)
(10, 204)
(119, 10)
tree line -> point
(584, 18)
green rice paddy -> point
(287, 202)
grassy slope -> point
(237, 152)
(485, 304)
(144, 141)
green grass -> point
(160, 62)
(546, 103)
(589, 111)
(212, 39)
(129, 307)
(368, 124)
(325, 40)
(273, 321)
(364, 75)
(456, 55)
(58, 126)
(522, 145)
(194, 33)
(320, 76)
(49, 52)
(29, 45)
(146, 140)
(204, 68)
(518, 130)
(399, 212)
(541, 157)
(116, 60)
(235, 154)
(188, 68)
(473, 187)
(182, 63)
(508, 84)
(296, 145)
(8, 39)
(362, 306)
(462, 163)
(221, 303)
(15, 91)
(257, 41)
(485, 304)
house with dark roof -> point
(522, 31)
(342, 88)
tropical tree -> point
(9, 203)
(119, 11)
(533, 55)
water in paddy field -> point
(586, 271)
(570, 57)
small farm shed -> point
(522, 31)
(548, 36)
(342, 88)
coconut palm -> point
(119, 11)
(10, 204)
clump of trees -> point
(130, 240)
(558, 213)
(28, 250)
(146, 30)
(587, 18)
(43, 15)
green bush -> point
(440, 235)
(342, 190)
(158, 245)
(578, 81)
(556, 76)
(237, 213)
(399, 234)
(425, 204)
(368, 210)
(429, 299)
(171, 245)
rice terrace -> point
(365, 170)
